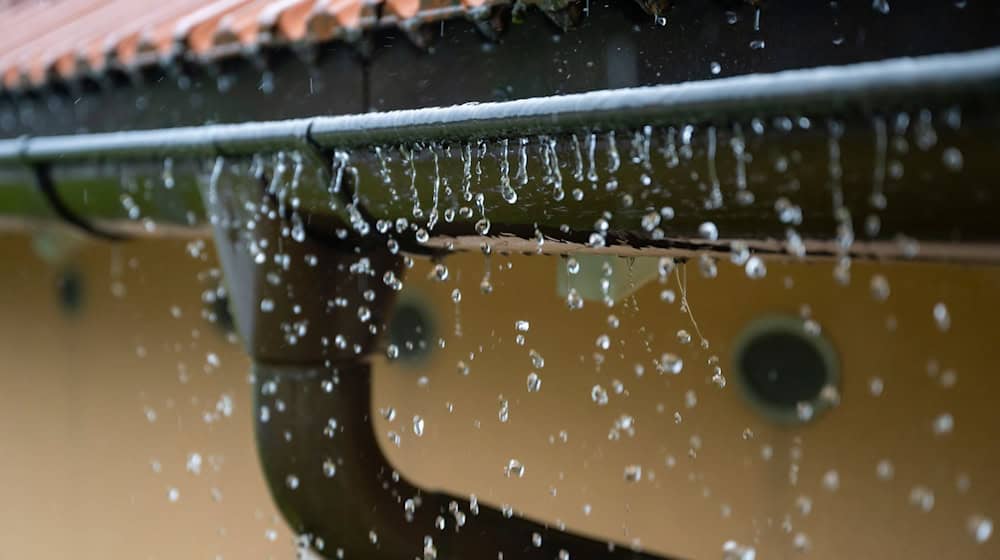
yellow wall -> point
(76, 475)
(680, 511)
(76, 478)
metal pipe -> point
(946, 207)
(715, 99)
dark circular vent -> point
(411, 329)
(781, 366)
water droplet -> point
(633, 473)
(292, 482)
(941, 317)
(572, 265)
(801, 542)
(716, 68)
(952, 159)
(650, 221)
(707, 266)
(718, 378)
(755, 268)
(804, 411)
(509, 195)
(534, 382)
(418, 426)
(329, 468)
(683, 337)
(876, 386)
(980, 527)
(885, 470)
(440, 272)
(513, 469)
(536, 359)
(522, 326)
(944, 423)
(708, 230)
(922, 497)
(599, 395)
(880, 287)
(732, 550)
(574, 300)
(603, 342)
(670, 363)
(831, 480)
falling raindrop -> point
(707, 266)
(942, 317)
(732, 550)
(709, 231)
(980, 527)
(755, 268)
(831, 480)
(633, 473)
(534, 382)
(670, 363)
(536, 359)
(880, 287)
(943, 424)
(603, 342)
(573, 299)
(876, 386)
(952, 159)
(922, 497)
(804, 411)
(599, 395)
(885, 470)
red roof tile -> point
(46, 39)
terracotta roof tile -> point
(240, 26)
(196, 30)
(66, 39)
(329, 17)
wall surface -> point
(105, 407)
